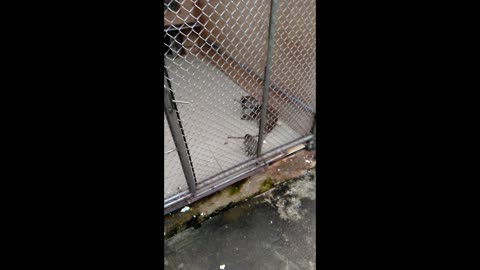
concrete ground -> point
(275, 230)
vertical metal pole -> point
(165, 72)
(268, 66)
(173, 119)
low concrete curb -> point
(288, 168)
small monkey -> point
(251, 110)
(250, 143)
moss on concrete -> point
(266, 185)
(235, 188)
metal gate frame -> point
(241, 171)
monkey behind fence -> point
(251, 110)
(249, 142)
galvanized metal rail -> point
(266, 79)
(249, 168)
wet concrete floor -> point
(275, 230)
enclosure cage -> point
(239, 89)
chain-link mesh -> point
(215, 55)
(174, 179)
(205, 72)
(292, 91)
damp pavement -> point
(275, 230)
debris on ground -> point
(185, 209)
(222, 266)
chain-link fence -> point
(223, 59)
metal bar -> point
(181, 102)
(206, 188)
(170, 151)
(174, 197)
(165, 72)
(256, 161)
(268, 66)
(181, 201)
(173, 119)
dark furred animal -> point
(249, 142)
(251, 110)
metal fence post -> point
(268, 66)
(178, 135)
